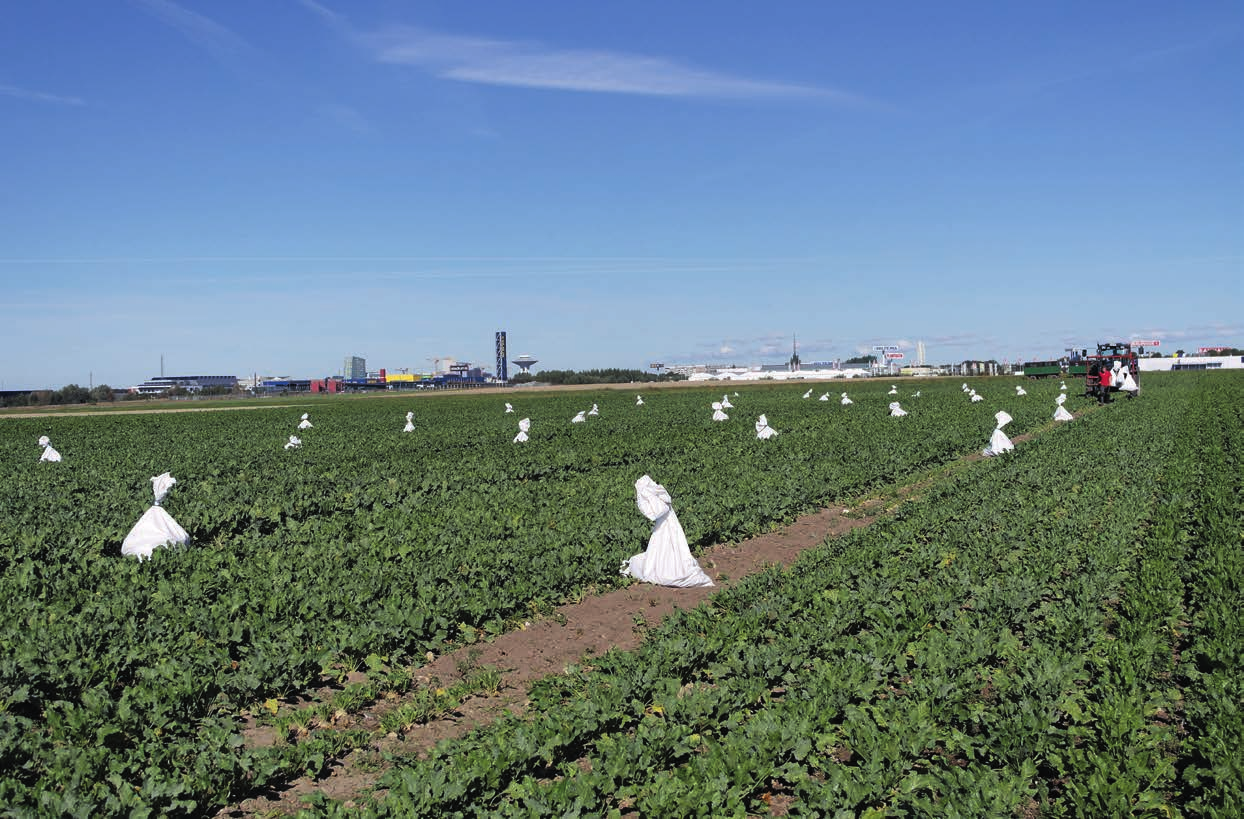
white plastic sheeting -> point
(808, 394)
(718, 415)
(524, 426)
(763, 431)
(893, 390)
(410, 422)
(846, 401)
(725, 402)
(639, 400)
(594, 410)
(294, 442)
(509, 408)
(1061, 399)
(1020, 390)
(917, 395)
(976, 397)
(1127, 383)
(667, 560)
(1063, 386)
(998, 442)
(156, 527)
(896, 411)
(579, 417)
(824, 397)
(1061, 414)
(49, 454)
(306, 421)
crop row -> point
(1008, 644)
(121, 683)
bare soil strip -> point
(575, 630)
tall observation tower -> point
(525, 363)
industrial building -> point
(1191, 362)
(190, 383)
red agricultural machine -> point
(1105, 358)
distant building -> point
(354, 368)
(190, 383)
(1192, 362)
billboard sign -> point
(1212, 349)
(894, 356)
(1148, 343)
(886, 348)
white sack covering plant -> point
(410, 422)
(896, 411)
(917, 394)
(639, 400)
(1061, 399)
(725, 402)
(524, 426)
(998, 442)
(1020, 390)
(593, 410)
(667, 560)
(49, 454)
(976, 398)
(294, 442)
(893, 390)
(718, 415)
(1063, 386)
(306, 421)
(579, 417)
(1061, 413)
(763, 431)
(509, 408)
(824, 397)
(156, 527)
(1126, 382)
(964, 386)
(808, 394)
(846, 401)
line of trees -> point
(610, 375)
(68, 394)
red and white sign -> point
(895, 356)
(1212, 349)
(1151, 343)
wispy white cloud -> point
(222, 43)
(533, 65)
(38, 96)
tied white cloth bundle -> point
(893, 390)
(49, 454)
(1061, 413)
(998, 442)
(1126, 382)
(763, 431)
(524, 426)
(718, 415)
(639, 400)
(1063, 386)
(824, 397)
(964, 386)
(509, 408)
(579, 417)
(896, 411)
(846, 401)
(667, 560)
(808, 394)
(306, 421)
(1061, 399)
(725, 402)
(410, 422)
(156, 527)
(593, 410)
(1020, 390)
(976, 397)
(294, 442)
(917, 395)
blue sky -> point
(269, 187)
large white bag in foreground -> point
(509, 408)
(410, 422)
(718, 415)
(306, 421)
(998, 442)
(668, 560)
(1126, 382)
(763, 430)
(725, 402)
(156, 527)
(846, 401)
(524, 426)
(49, 454)
(579, 418)
(1061, 414)
(896, 411)
(639, 400)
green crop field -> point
(1056, 632)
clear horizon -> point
(270, 188)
